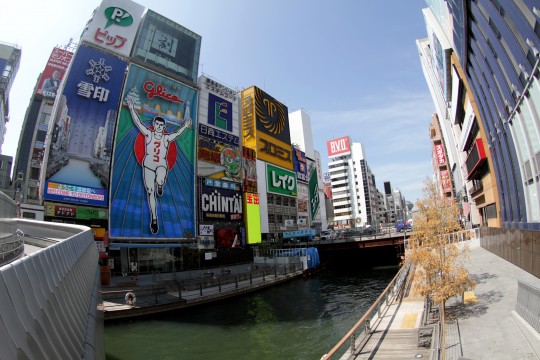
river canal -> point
(299, 320)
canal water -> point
(302, 319)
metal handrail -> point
(363, 324)
(10, 250)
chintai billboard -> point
(77, 153)
(153, 177)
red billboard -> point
(54, 72)
(439, 153)
(339, 146)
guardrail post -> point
(236, 281)
(179, 292)
(200, 288)
(219, 284)
(250, 279)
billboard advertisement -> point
(168, 45)
(54, 72)
(77, 169)
(249, 169)
(265, 127)
(340, 146)
(75, 212)
(252, 218)
(313, 194)
(439, 154)
(281, 181)
(114, 26)
(153, 177)
(218, 155)
(446, 182)
(300, 164)
(218, 204)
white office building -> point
(354, 193)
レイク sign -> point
(281, 181)
(338, 146)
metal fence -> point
(528, 303)
(362, 328)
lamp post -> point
(18, 185)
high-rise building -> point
(10, 58)
(31, 147)
(497, 45)
(354, 192)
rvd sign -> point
(281, 181)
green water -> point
(302, 319)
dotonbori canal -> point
(301, 319)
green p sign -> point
(118, 16)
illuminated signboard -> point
(216, 156)
(153, 177)
(54, 72)
(252, 219)
(446, 182)
(168, 45)
(439, 153)
(281, 181)
(217, 204)
(249, 169)
(340, 146)
(313, 194)
(77, 212)
(265, 127)
(77, 153)
(300, 164)
(114, 25)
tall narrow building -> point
(10, 58)
(354, 193)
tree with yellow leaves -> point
(438, 260)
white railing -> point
(528, 303)
(48, 299)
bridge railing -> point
(362, 328)
(528, 303)
(48, 299)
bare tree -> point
(439, 261)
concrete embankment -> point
(174, 291)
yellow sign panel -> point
(252, 218)
(249, 131)
(274, 151)
(259, 130)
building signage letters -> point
(281, 181)
(338, 146)
(274, 150)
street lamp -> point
(18, 184)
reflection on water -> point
(302, 319)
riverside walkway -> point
(481, 325)
(164, 292)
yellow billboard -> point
(265, 127)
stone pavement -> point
(490, 328)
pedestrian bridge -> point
(49, 285)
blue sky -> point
(352, 65)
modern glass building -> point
(497, 45)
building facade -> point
(10, 58)
(497, 46)
(354, 192)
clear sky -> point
(351, 64)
